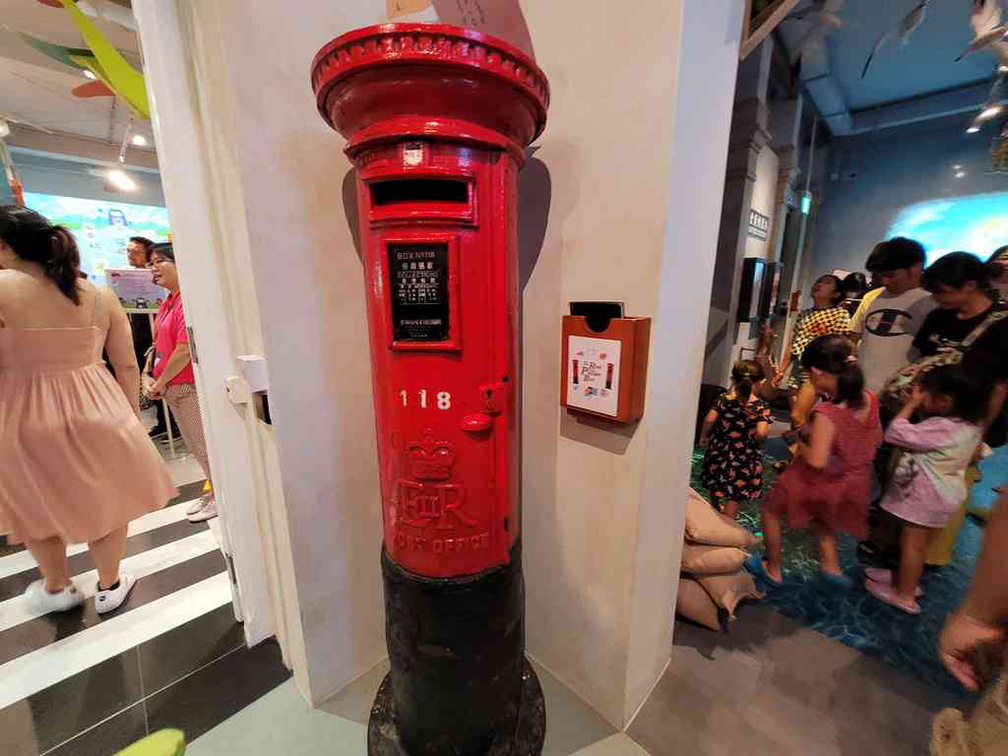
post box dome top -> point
(433, 80)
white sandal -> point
(42, 601)
(112, 599)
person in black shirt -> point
(970, 319)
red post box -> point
(437, 119)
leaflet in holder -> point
(604, 371)
(135, 288)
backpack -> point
(897, 391)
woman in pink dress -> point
(828, 488)
(77, 463)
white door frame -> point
(220, 308)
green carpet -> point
(856, 618)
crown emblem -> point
(428, 459)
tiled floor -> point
(772, 686)
(192, 677)
(281, 722)
(171, 656)
(768, 686)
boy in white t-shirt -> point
(889, 317)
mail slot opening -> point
(398, 191)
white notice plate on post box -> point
(593, 369)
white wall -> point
(311, 298)
(636, 179)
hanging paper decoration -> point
(108, 64)
(113, 73)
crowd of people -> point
(79, 465)
(892, 408)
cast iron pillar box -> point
(437, 120)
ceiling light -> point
(989, 112)
(973, 129)
(88, 74)
(960, 174)
(120, 180)
(957, 167)
(139, 140)
(1001, 70)
(4, 128)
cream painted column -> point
(631, 168)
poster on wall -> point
(101, 228)
(593, 369)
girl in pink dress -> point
(929, 483)
(77, 464)
(828, 487)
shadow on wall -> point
(603, 434)
(334, 319)
(534, 197)
(351, 208)
(535, 193)
(547, 272)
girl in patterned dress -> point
(826, 317)
(732, 433)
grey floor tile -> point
(57, 713)
(571, 724)
(687, 714)
(107, 738)
(281, 722)
(771, 686)
(615, 745)
(353, 703)
(17, 730)
(708, 671)
(757, 625)
(184, 649)
(208, 697)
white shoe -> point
(197, 504)
(108, 601)
(41, 601)
(206, 511)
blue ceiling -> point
(924, 66)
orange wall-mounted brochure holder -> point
(604, 373)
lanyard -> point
(159, 319)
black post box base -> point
(459, 683)
(521, 734)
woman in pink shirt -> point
(169, 372)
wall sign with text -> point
(759, 225)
